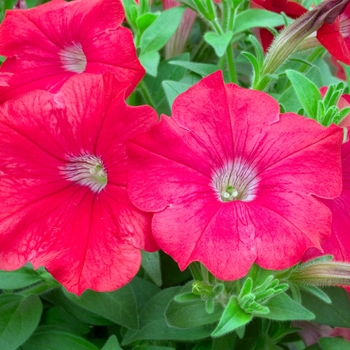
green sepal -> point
(187, 297)
(232, 318)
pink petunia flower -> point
(48, 44)
(233, 182)
(63, 184)
(335, 37)
(338, 243)
(291, 8)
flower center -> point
(73, 58)
(235, 181)
(86, 170)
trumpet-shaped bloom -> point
(233, 182)
(335, 37)
(63, 184)
(48, 44)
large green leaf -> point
(153, 324)
(47, 337)
(17, 279)
(58, 316)
(119, 306)
(334, 344)
(307, 92)
(161, 30)
(191, 314)
(284, 308)
(256, 18)
(151, 264)
(19, 318)
(335, 314)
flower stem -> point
(231, 64)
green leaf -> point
(191, 314)
(161, 30)
(256, 18)
(218, 42)
(56, 296)
(202, 69)
(9, 4)
(150, 61)
(119, 306)
(284, 308)
(153, 324)
(146, 20)
(335, 314)
(47, 337)
(143, 291)
(19, 318)
(334, 343)
(317, 292)
(166, 71)
(151, 264)
(17, 279)
(306, 91)
(31, 3)
(232, 318)
(58, 316)
(173, 89)
(112, 344)
(152, 347)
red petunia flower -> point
(48, 44)
(338, 243)
(233, 182)
(63, 184)
(291, 8)
(335, 37)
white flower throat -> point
(235, 181)
(85, 170)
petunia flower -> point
(335, 37)
(291, 8)
(233, 182)
(63, 184)
(338, 243)
(48, 44)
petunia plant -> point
(174, 175)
